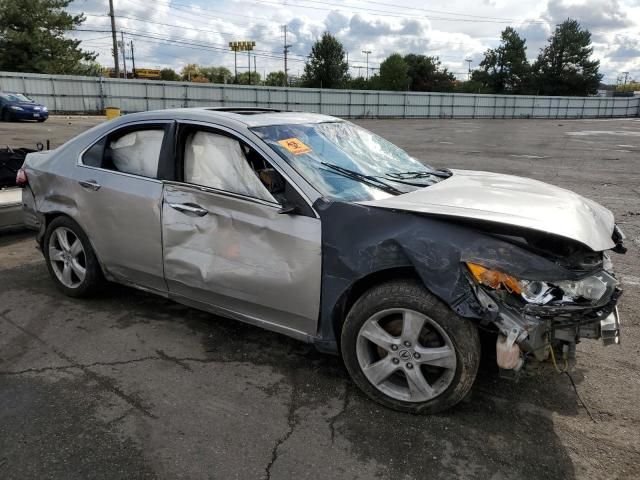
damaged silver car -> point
(313, 227)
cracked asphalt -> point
(129, 385)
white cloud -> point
(452, 30)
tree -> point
(393, 74)
(564, 66)
(244, 79)
(505, 69)
(630, 86)
(200, 79)
(190, 71)
(360, 83)
(275, 79)
(427, 74)
(216, 74)
(32, 38)
(470, 86)
(169, 75)
(91, 69)
(326, 67)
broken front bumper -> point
(533, 329)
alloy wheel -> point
(67, 257)
(406, 355)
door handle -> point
(189, 208)
(89, 184)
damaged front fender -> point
(359, 240)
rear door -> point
(228, 243)
(120, 200)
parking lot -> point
(130, 385)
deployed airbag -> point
(217, 161)
(138, 152)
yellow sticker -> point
(294, 145)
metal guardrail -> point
(88, 95)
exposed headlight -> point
(44, 109)
(15, 107)
(590, 288)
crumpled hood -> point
(511, 200)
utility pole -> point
(235, 63)
(116, 63)
(133, 61)
(468, 60)
(286, 53)
(124, 54)
(367, 52)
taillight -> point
(21, 178)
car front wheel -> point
(407, 350)
(70, 258)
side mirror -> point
(288, 209)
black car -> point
(16, 106)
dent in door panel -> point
(244, 251)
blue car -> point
(16, 106)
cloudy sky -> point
(171, 33)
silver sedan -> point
(310, 226)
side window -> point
(135, 152)
(222, 162)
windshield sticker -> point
(294, 145)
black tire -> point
(413, 296)
(93, 279)
(6, 115)
(41, 120)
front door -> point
(228, 244)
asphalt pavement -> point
(130, 385)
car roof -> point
(249, 116)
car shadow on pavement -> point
(502, 430)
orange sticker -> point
(294, 145)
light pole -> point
(244, 46)
(468, 60)
(367, 52)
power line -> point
(233, 35)
(202, 46)
(388, 13)
(395, 5)
(188, 9)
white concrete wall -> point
(74, 94)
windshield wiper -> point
(443, 173)
(362, 178)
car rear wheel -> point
(6, 115)
(70, 258)
(407, 350)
